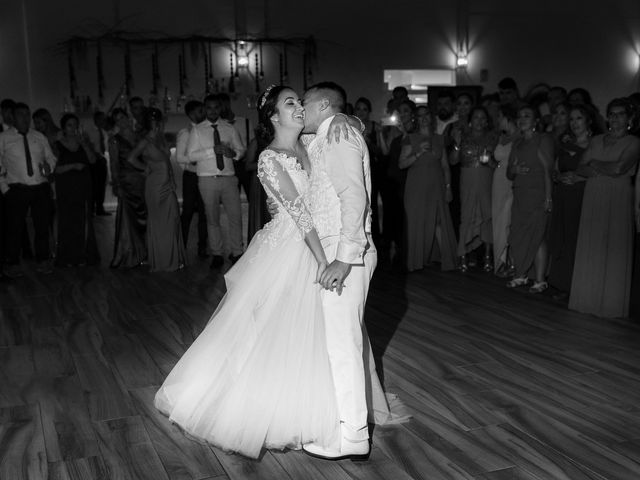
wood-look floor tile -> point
(22, 449)
(299, 465)
(182, 458)
(91, 468)
(51, 352)
(14, 327)
(17, 361)
(238, 467)
(127, 450)
(129, 356)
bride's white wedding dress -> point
(259, 375)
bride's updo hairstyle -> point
(266, 108)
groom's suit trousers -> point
(344, 324)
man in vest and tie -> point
(26, 161)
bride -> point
(259, 375)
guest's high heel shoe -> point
(488, 264)
(464, 268)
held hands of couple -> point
(334, 275)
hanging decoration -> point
(207, 90)
(257, 74)
(261, 62)
(232, 87)
(73, 84)
(128, 76)
(247, 72)
(100, 73)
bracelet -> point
(456, 147)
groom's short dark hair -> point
(337, 95)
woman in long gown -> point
(76, 236)
(259, 374)
(474, 152)
(567, 201)
(502, 192)
(530, 166)
(429, 230)
(130, 248)
(604, 253)
(165, 248)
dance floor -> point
(501, 384)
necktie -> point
(216, 141)
(27, 154)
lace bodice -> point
(287, 184)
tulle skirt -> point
(259, 374)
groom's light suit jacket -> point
(339, 195)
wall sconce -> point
(462, 60)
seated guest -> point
(130, 246)
(164, 235)
(76, 238)
(501, 191)
(428, 227)
(602, 273)
(474, 151)
(26, 160)
(530, 166)
(191, 199)
(567, 200)
(98, 134)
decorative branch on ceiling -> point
(245, 57)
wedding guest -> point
(602, 272)
(27, 161)
(530, 166)
(464, 104)
(258, 215)
(473, 149)
(501, 191)
(164, 237)
(214, 144)
(581, 96)
(445, 110)
(491, 103)
(128, 182)
(6, 110)
(509, 93)
(567, 200)
(429, 231)
(98, 134)
(191, 199)
(372, 132)
(43, 123)
(243, 126)
(137, 108)
(393, 199)
(559, 126)
(76, 243)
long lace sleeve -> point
(275, 178)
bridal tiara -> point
(266, 94)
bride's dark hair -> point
(266, 108)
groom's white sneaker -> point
(355, 450)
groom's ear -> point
(324, 104)
(275, 118)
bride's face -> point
(289, 111)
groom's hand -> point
(335, 275)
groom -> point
(338, 200)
